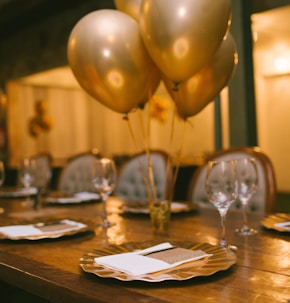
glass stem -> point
(104, 210)
(223, 241)
(245, 217)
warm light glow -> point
(282, 65)
(276, 60)
(106, 53)
(181, 12)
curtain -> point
(80, 123)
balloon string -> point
(149, 162)
(142, 125)
(177, 164)
(173, 178)
(147, 185)
(170, 180)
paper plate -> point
(221, 259)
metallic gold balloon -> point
(193, 95)
(130, 7)
(181, 36)
(109, 60)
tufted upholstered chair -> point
(265, 198)
(76, 176)
(43, 173)
(131, 186)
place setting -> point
(142, 207)
(225, 182)
(25, 176)
(153, 261)
(17, 192)
(60, 198)
(44, 228)
(157, 262)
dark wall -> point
(263, 5)
(34, 33)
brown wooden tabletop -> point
(49, 271)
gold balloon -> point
(192, 95)
(130, 7)
(181, 36)
(109, 60)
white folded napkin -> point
(63, 200)
(144, 209)
(76, 198)
(16, 231)
(284, 225)
(19, 192)
(176, 206)
(87, 195)
(162, 256)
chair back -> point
(131, 186)
(76, 176)
(265, 198)
(43, 172)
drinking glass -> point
(222, 190)
(248, 181)
(104, 177)
(27, 172)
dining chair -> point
(265, 198)
(75, 176)
(131, 186)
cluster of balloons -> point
(120, 56)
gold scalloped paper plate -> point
(142, 207)
(80, 227)
(62, 198)
(270, 221)
(221, 259)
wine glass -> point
(222, 190)
(27, 172)
(104, 177)
(248, 181)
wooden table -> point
(49, 271)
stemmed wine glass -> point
(248, 181)
(104, 177)
(222, 190)
(27, 172)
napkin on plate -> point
(76, 198)
(18, 192)
(176, 206)
(87, 196)
(16, 231)
(284, 225)
(152, 259)
(144, 208)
